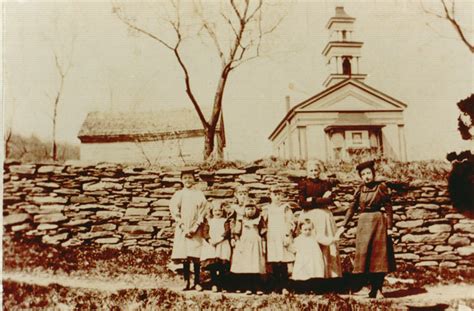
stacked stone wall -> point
(111, 206)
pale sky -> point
(414, 57)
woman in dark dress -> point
(374, 250)
(314, 198)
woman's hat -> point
(367, 164)
(187, 171)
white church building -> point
(348, 117)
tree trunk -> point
(209, 142)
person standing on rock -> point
(374, 255)
(314, 198)
(188, 208)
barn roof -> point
(130, 125)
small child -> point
(248, 260)
(216, 252)
(280, 224)
(309, 259)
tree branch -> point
(455, 24)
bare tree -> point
(243, 22)
(448, 13)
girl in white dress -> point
(188, 207)
(248, 261)
(216, 252)
(309, 260)
(280, 227)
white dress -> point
(325, 228)
(309, 261)
(248, 252)
(216, 233)
(279, 226)
(187, 207)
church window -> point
(344, 35)
(346, 66)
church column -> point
(290, 140)
(402, 142)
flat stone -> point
(464, 227)
(457, 240)
(55, 239)
(420, 213)
(267, 171)
(94, 235)
(101, 186)
(104, 227)
(137, 229)
(131, 211)
(160, 202)
(22, 169)
(151, 186)
(48, 200)
(51, 209)
(219, 193)
(49, 218)
(443, 248)
(447, 264)
(108, 214)
(107, 240)
(85, 179)
(147, 177)
(230, 171)
(426, 264)
(441, 257)
(48, 185)
(143, 200)
(249, 178)
(465, 250)
(47, 227)
(77, 222)
(425, 238)
(22, 227)
(407, 256)
(72, 242)
(138, 205)
(258, 186)
(160, 214)
(409, 224)
(454, 216)
(82, 199)
(15, 219)
(46, 169)
(65, 191)
(439, 228)
(155, 223)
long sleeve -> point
(352, 208)
(387, 204)
(175, 206)
(325, 240)
(289, 220)
(302, 194)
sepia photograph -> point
(237, 155)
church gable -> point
(351, 96)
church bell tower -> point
(342, 52)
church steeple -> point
(342, 52)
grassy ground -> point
(119, 272)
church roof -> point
(396, 104)
(130, 125)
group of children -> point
(239, 242)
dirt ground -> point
(456, 296)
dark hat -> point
(364, 165)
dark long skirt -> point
(374, 248)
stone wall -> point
(121, 207)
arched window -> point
(346, 66)
(344, 37)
